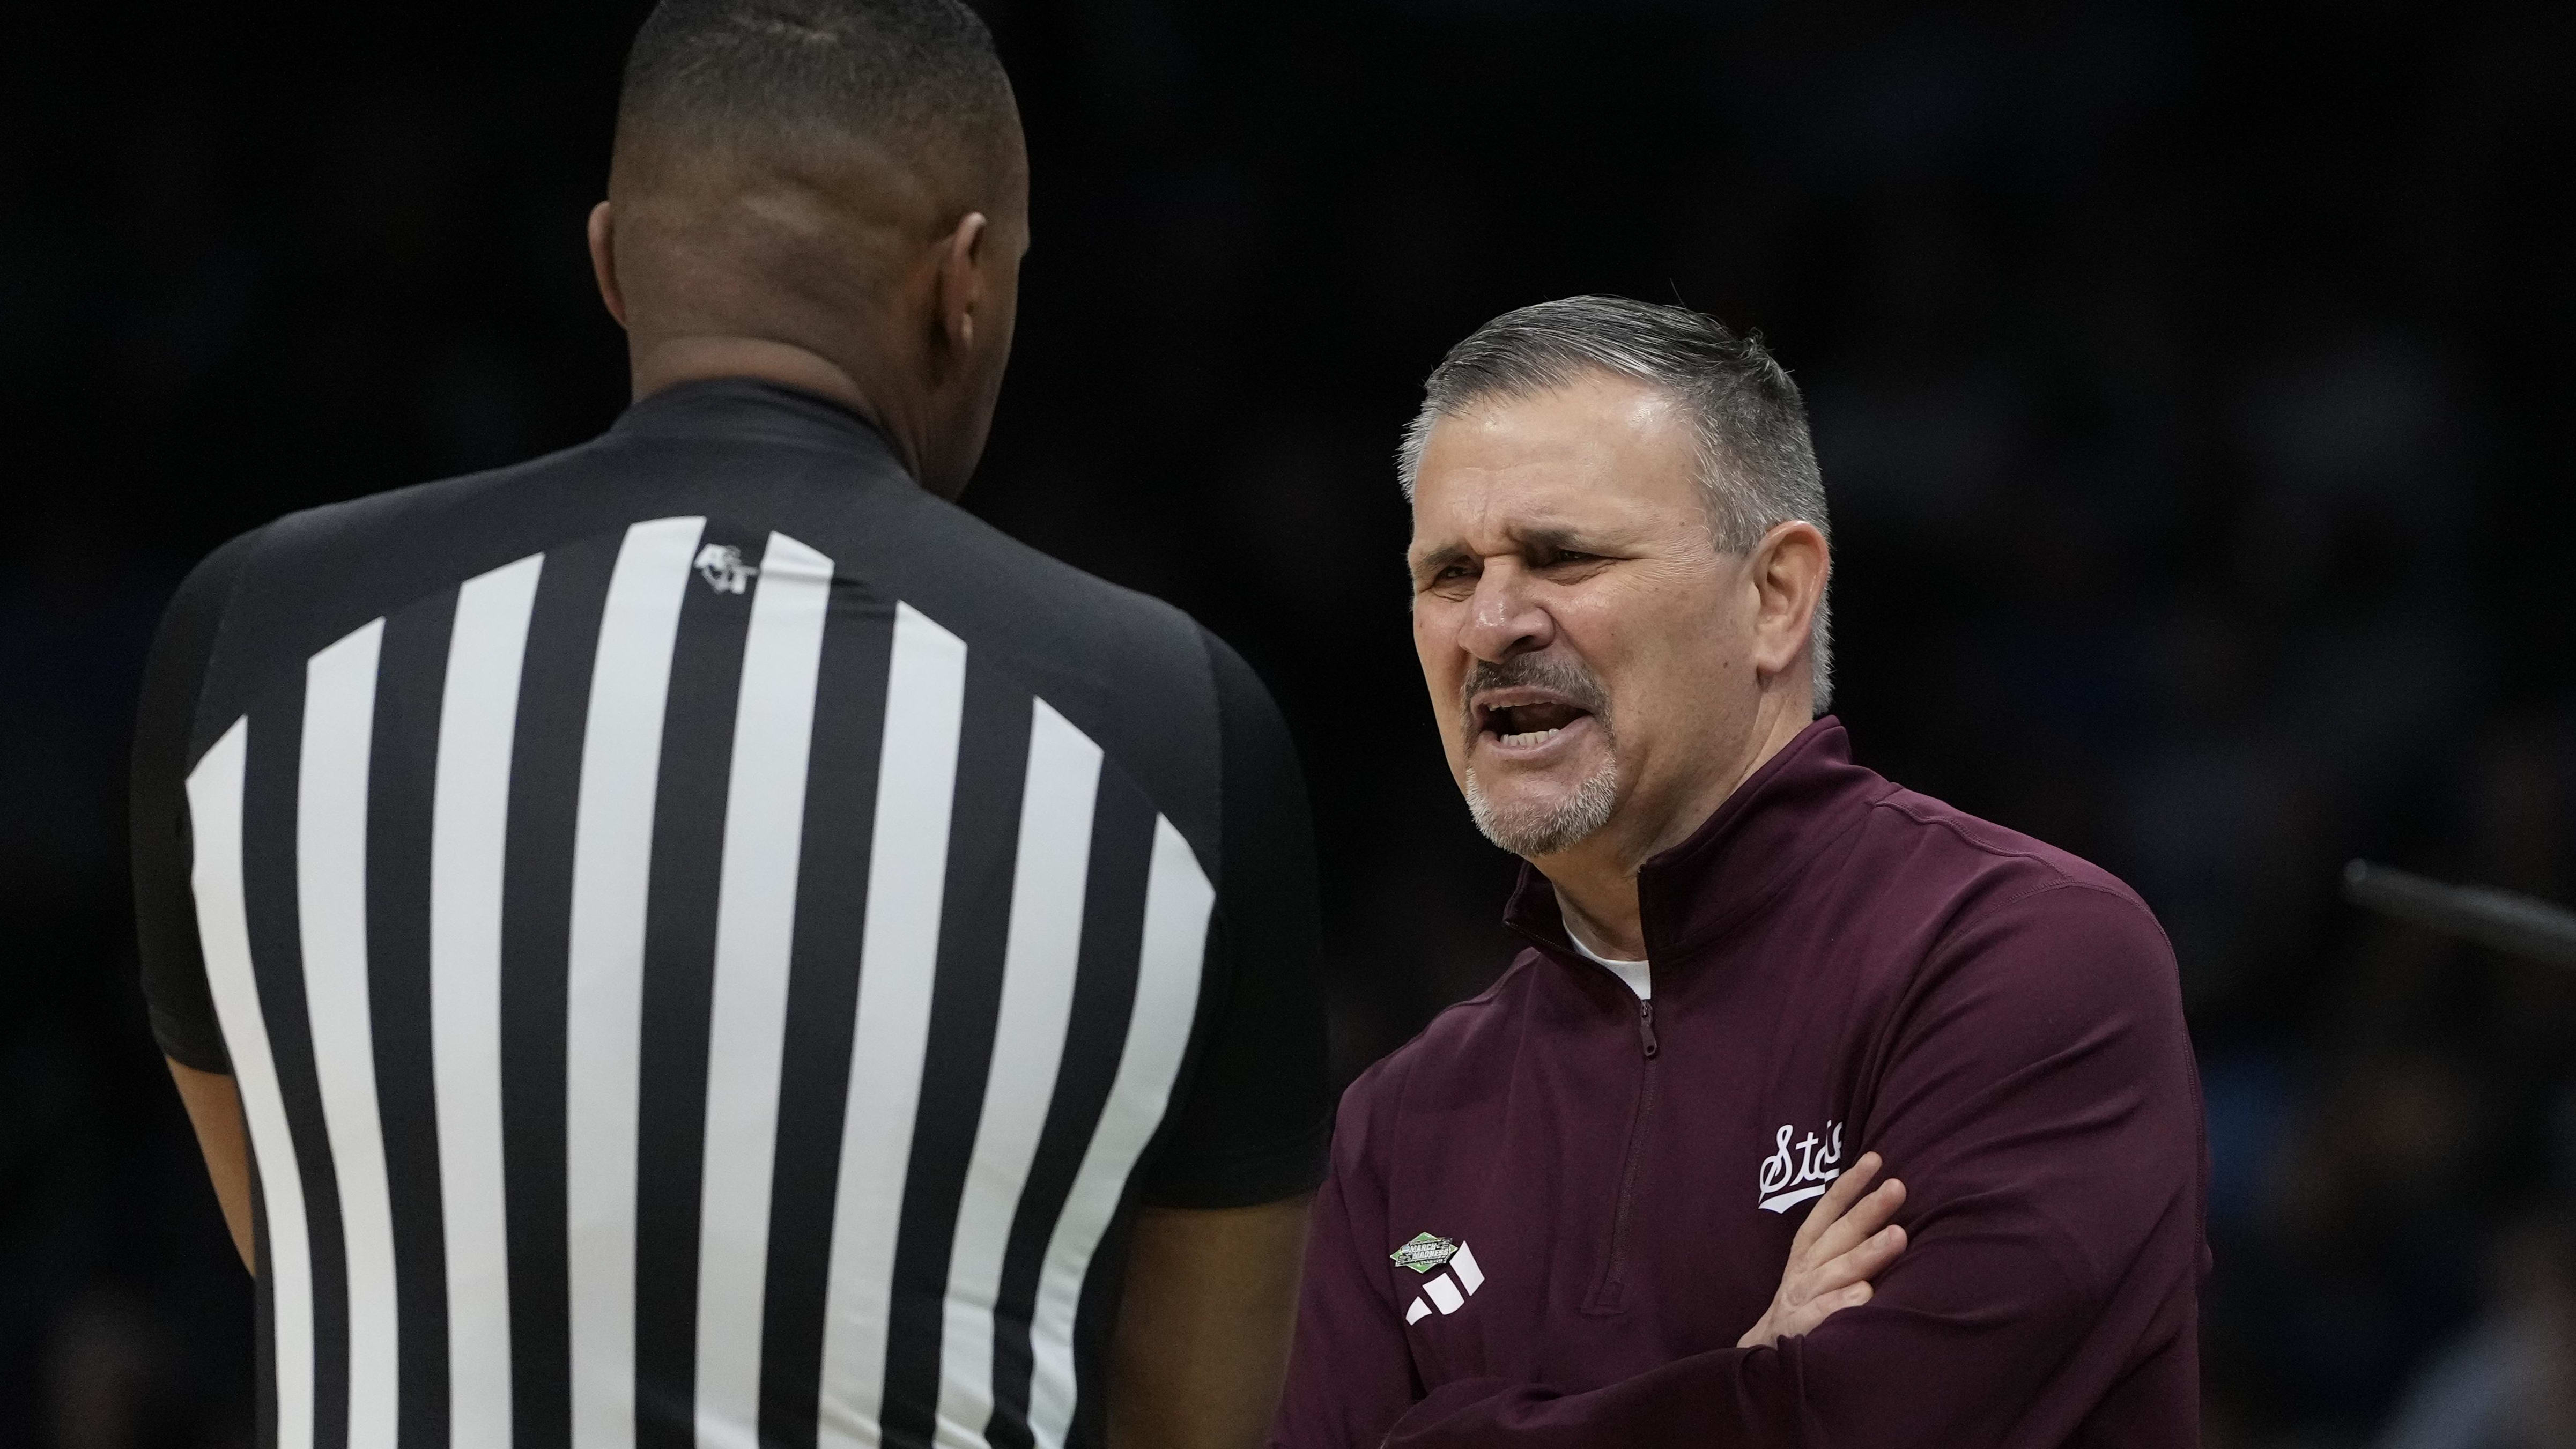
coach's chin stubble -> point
(1531, 828)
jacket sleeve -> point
(2040, 1102)
(1350, 1371)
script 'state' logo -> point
(1801, 1170)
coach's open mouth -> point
(1519, 719)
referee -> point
(695, 940)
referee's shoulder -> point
(367, 520)
(282, 545)
(1053, 595)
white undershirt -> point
(1638, 974)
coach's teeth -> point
(1531, 737)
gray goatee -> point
(1536, 830)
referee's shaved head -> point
(777, 78)
(841, 179)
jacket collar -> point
(1750, 850)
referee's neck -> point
(667, 362)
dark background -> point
(2191, 383)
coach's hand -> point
(1844, 1242)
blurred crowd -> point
(2191, 383)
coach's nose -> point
(1504, 618)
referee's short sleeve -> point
(1255, 1124)
(165, 908)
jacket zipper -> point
(1607, 1293)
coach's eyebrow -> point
(1453, 551)
(1561, 539)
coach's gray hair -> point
(1757, 460)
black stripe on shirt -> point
(966, 998)
(679, 994)
(536, 922)
(270, 774)
(1113, 933)
(411, 676)
(264, 1310)
(822, 1006)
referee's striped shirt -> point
(712, 940)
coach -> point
(1560, 1216)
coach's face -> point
(1587, 646)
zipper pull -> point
(1646, 1028)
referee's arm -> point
(165, 907)
(214, 1109)
(1202, 1338)
(1201, 1345)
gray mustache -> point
(1537, 671)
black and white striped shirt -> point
(711, 940)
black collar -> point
(753, 409)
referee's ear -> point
(603, 260)
(960, 279)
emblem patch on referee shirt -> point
(721, 565)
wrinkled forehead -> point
(1602, 452)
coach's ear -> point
(1786, 574)
(603, 260)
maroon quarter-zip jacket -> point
(1551, 1215)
